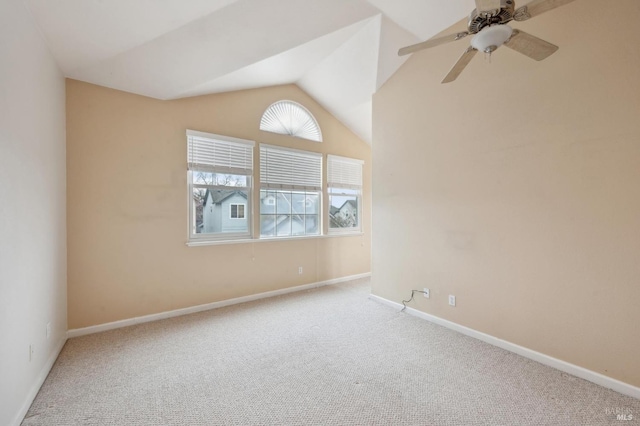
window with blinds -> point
(220, 170)
(215, 153)
(291, 118)
(290, 192)
(344, 187)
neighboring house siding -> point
(345, 216)
(216, 215)
(349, 213)
(288, 226)
(229, 224)
(209, 213)
(217, 218)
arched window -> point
(290, 118)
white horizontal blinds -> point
(291, 118)
(290, 169)
(344, 172)
(219, 154)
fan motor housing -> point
(479, 20)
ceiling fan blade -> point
(530, 46)
(432, 43)
(462, 63)
(487, 5)
(537, 7)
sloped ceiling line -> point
(339, 51)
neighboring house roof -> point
(281, 220)
(334, 210)
(335, 220)
(350, 202)
(219, 195)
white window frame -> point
(222, 162)
(291, 170)
(344, 173)
(291, 118)
(244, 210)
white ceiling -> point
(338, 51)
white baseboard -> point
(37, 384)
(583, 373)
(199, 308)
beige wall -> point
(32, 211)
(128, 213)
(517, 189)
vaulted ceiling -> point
(338, 51)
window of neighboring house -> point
(236, 211)
(219, 176)
(290, 192)
(344, 187)
(291, 118)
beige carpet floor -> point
(329, 356)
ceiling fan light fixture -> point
(490, 38)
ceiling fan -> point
(488, 24)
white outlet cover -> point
(425, 292)
(452, 300)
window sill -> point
(270, 239)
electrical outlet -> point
(425, 291)
(31, 352)
(299, 270)
(452, 300)
(48, 332)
